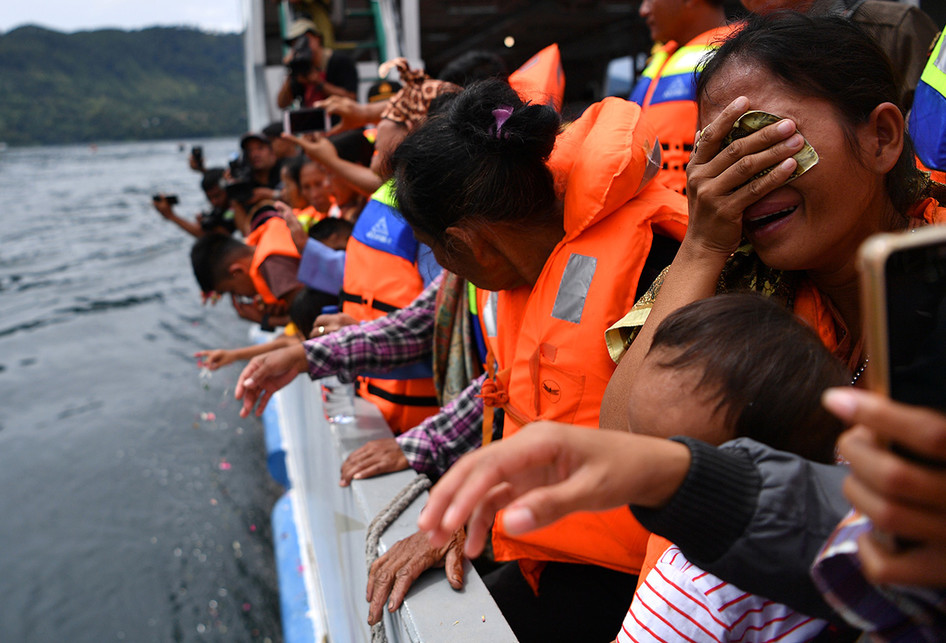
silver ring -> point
(321, 330)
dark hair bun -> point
(529, 131)
(481, 154)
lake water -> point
(126, 511)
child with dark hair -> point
(740, 356)
(731, 366)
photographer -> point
(220, 219)
(314, 72)
(258, 166)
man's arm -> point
(321, 267)
(285, 96)
(779, 509)
(323, 151)
(167, 211)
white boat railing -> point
(330, 524)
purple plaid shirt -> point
(379, 346)
(436, 443)
(401, 338)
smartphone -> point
(170, 198)
(198, 153)
(310, 119)
(903, 291)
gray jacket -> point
(755, 517)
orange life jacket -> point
(381, 276)
(667, 93)
(541, 79)
(553, 362)
(270, 238)
(656, 546)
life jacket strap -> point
(402, 400)
(376, 303)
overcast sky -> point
(80, 15)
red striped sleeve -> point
(691, 597)
(644, 627)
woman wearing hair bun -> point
(555, 228)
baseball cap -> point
(300, 27)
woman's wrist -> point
(706, 254)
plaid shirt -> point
(436, 443)
(404, 337)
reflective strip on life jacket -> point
(573, 289)
(488, 314)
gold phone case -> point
(871, 264)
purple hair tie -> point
(501, 114)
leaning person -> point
(562, 237)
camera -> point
(301, 61)
(239, 186)
(170, 198)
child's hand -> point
(214, 359)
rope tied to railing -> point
(391, 512)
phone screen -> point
(312, 119)
(916, 324)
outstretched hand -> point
(373, 459)
(266, 374)
(546, 471)
(317, 147)
(214, 359)
(393, 573)
(351, 113)
(329, 323)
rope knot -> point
(493, 393)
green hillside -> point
(113, 85)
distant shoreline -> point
(118, 85)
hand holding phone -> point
(903, 296)
(169, 199)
